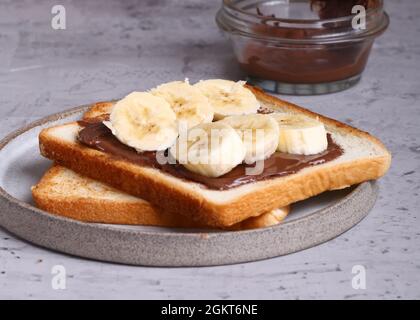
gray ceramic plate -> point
(311, 222)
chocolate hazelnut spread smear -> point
(97, 136)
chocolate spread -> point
(306, 64)
(96, 135)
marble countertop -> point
(110, 48)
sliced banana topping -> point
(178, 116)
(188, 103)
(143, 121)
(259, 133)
(300, 134)
(210, 149)
(228, 98)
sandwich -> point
(64, 192)
(216, 153)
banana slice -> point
(300, 134)
(188, 103)
(259, 133)
(228, 98)
(144, 122)
(210, 149)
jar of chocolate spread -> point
(302, 46)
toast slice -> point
(66, 193)
(364, 158)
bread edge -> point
(127, 212)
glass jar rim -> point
(234, 20)
(228, 3)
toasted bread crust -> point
(98, 109)
(139, 212)
(174, 198)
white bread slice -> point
(66, 193)
(364, 158)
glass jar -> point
(301, 47)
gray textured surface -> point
(111, 48)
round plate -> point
(311, 222)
